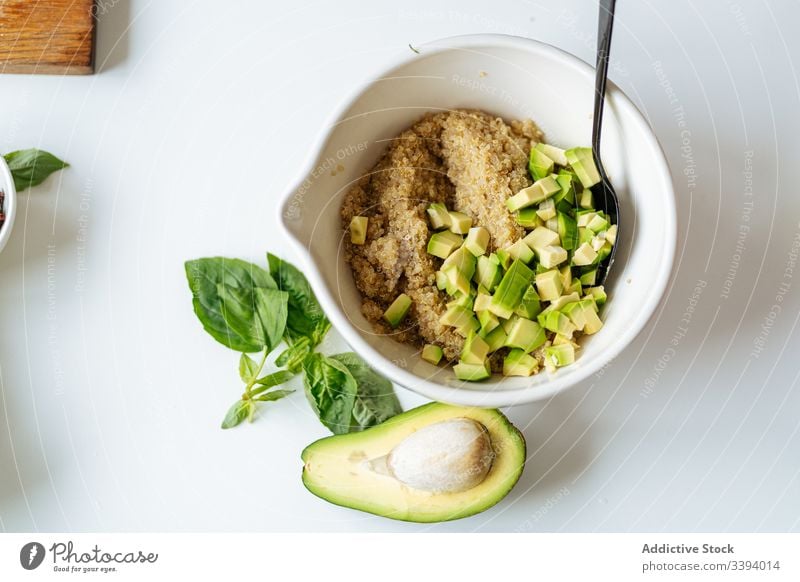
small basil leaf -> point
(275, 379)
(237, 413)
(272, 307)
(204, 276)
(32, 167)
(248, 368)
(274, 395)
(305, 318)
(331, 390)
(375, 400)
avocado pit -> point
(445, 457)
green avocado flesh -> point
(338, 468)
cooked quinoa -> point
(470, 161)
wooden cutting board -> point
(53, 37)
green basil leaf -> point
(275, 379)
(375, 400)
(271, 380)
(32, 167)
(293, 356)
(331, 390)
(248, 368)
(205, 276)
(237, 413)
(274, 395)
(272, 307)
(239, 313)
(305, 318)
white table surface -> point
(180, 146)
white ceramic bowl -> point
(10, 204)
(514, 78)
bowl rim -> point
(10, 204)
(474, 396)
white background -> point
(200, 117)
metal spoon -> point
(608, 201)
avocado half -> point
(338, 469)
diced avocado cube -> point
(597, 243)
(475, 349)
(441, 281)
(456, 316)
(397, 310)
(477, 240)
(471, 325)
(559, 339)
(541, 237)
(598, 294)
(593, 322)
(584, 255)
(611, 235)
(549, 286)
(518, 363)
(527, 218)
(526, 335)
(576, 287)
(587, 199)
(496, 339)
(472, 372)
(566, 276)
(560, 355)
(604, 251)
(488, 321)
(584, 217)
(462, 300)
(582, 162)
(589, 277)
(557, 322)
(519, 250)
(509, 323)
(552, 224)
(456, 281)
(358, 230)
(511, 289)
(463, 260)
(552, 256)
(439, 216)
(584, 236)
(488, 272)
(530, 306)
(560, 302)
(533, 194)
(539, 164)
(556, 154)
(567, 193)
(597, 223)
(567, 231)
(503, 258)
(547, 209)
(575, 312)
(482, 301)
(589, 302)
(442, 244)
(432, 353)
(460, 223)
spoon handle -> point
(605, 23)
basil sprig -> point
(251, 310)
